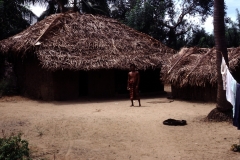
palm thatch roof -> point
(195, 67)
(85, 42)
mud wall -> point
(32, 80)
(194, 93)
(38, 83)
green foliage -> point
(50, 10)
(14, 17)
(119, 8)
(14, 148)
(136, 17)
(86, 6)
(238, 19)
(167, 20)
(101, 7)
(232, 31)
(145, 16)
(201, 39)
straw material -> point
(85, 42)
(195, 67)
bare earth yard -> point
(108, 130)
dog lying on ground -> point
(174, 122)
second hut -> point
(192, 73)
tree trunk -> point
(75, 5)
(60, 6)
(223, 106)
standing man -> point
(133, 84)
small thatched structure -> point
(71, 50)
(192, 72)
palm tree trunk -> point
(75, 5)
(60, 6)
(222, 111)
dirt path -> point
(108, 130)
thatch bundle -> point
(85, 42)
(195, 67)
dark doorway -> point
(101, 83)
(83, 83)
(150, 81)
(121, 78)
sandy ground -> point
(108, 130)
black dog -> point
(174, 122)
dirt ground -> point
(108, 130)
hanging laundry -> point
(231, 89)
(236, 119)
(232, 92)
(224, 69)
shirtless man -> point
(133, 83)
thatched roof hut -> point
(85, 42)
(195, 68)
(62, 45)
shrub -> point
(14, 148)
(235, 148)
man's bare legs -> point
(139, 102)
(132, 103)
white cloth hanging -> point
(231, 89)
(224, 69)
